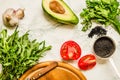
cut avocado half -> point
(59, 11)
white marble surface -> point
(43, 28)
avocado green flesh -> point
(67, 18)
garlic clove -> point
(8, 18)
(14, 22)
(19, 13)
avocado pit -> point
(56, 7)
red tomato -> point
(87, 62)
(70, 50)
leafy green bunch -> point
(101, 11)
(17, 54)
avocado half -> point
(59, 11)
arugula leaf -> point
(18, 53)
(101, 11)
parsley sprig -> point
(101, 11)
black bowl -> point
(104, 47)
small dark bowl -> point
(104, 47)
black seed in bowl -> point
(104, 47)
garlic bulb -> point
(11, 17)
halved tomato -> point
(87, 62)
(70, 50)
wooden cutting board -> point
(63, 71)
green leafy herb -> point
(101, 11)
(17, 54)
